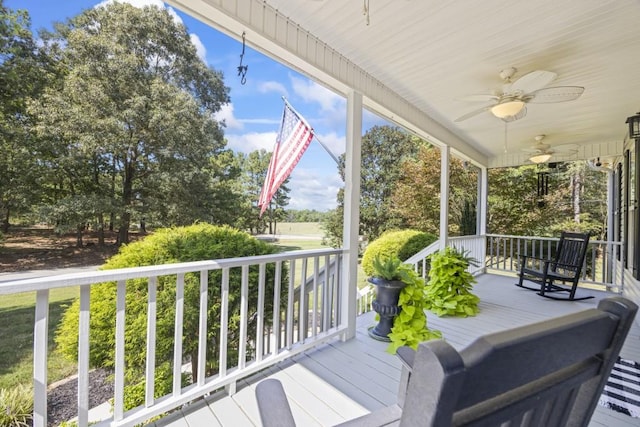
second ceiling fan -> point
(542, 152)
(508, 103)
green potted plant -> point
(410, 325)
(450, 284)
(400, 303)
(388, 278)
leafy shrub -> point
(410, 325)
(401, 244)
(450, 284)
(16, 406)
(172, 245)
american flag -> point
(293, 139)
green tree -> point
(275, 212)
(305, 215)
(383, 150)
(573, 199)
(134, 96)
(255, 167)
(22, 76)
(332, 224)
(416, 196)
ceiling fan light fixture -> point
(506, 109)
(540, 158)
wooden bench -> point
(545, 374)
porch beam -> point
(351, 220)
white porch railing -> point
(298, 325)
(501, 253)
(474, 245)
(603, 264)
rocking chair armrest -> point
(406, 356)
(562, 265)
(524, 259)
(273, 405)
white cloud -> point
(311, 189)
(271, 86)
(261, 121)
(334, 142)
(200, 49)
(252, 141)
(312, 92)
(226, 114)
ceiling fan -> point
(508, 103)
(541, 152)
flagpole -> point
(335, 159)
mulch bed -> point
(62, 397)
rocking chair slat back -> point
(565, 267)
(572, 250)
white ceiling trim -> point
(284, 40)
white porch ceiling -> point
(417, 58)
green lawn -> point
(300, 228)
(17, 314)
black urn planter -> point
(386, 305)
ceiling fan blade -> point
(555, 94)
(533, 81)
(566, 149)
(533, 150)
(480, 97)
(473, 113)
(515, 117)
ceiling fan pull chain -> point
(365, 11)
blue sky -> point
(253, 116)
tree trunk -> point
(5, 221)
(127, 196)
(101, 230)
(123, 231)
(577, 192)
(79, 229)
(194, 367)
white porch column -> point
(351, 224)
(483, 196)
(611, 191)
(444, 195)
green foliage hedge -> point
(172, 245)
(401, 244)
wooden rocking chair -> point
(565, 267)
(547, 374)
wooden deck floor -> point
(343, 380)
